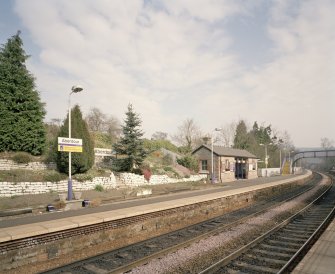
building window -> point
(204, 165)
(227, 165)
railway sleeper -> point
(95, 269)
(316, 220)
(302, 227)
(300, 231)
(265, 260)
(247, 268)
(279, 249)
(281, 243)
(292, 238)
(295, 235)
(262, 252)
(288, 231)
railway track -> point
(126, 258)
(281, 249)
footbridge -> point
(313, 154)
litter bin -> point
(50, 208)
(86, 203)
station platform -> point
(321, 257)
(20, 228)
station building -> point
(229, 164)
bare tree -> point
(327, 143)
(287, 143)
(113, 128)
(158, 135)
(189, 134)
(227, 134)
(96, 120)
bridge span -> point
(313, 154)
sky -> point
(213, 61)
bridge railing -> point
(313, 154)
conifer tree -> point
(21, 111)
(129, 148)
(241, 139)
(80, 161)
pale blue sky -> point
(216, 61)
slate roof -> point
(227, 151)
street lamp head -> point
(76, 89)
(261, 144)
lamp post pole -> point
(212, 156)
(75, 89)
(266, 153)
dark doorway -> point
(240, 170)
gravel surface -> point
(175, 262)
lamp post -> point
(266, 153)
(213, 175)
(74, 89)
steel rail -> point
(214, 268)
(289, 266)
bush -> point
(53, 176)
(147, 174)
(83, 177)
(22, 158)
(189, 161)
(23, 175)
(99, 188)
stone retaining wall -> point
(10, 165)
(9, 189)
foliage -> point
(241, 140)
(82, 177)
(102, 140)
(130, 146)
(146, 173)
(81, 162)
(262, 134)
(167, 160)
(152, 145)
(21, 111)
(22, 158)
(53, 176)
(52, 132)
(90, 174)
(108, 127)
(158, 135)
(22, 175)
(99, 188)
(189, 161)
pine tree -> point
(241, 140)
(80, 161)
(21, 111)
(130, 149)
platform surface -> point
(18, 228)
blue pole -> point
(69, 190)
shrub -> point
(147, 174)
(99, 188)
(22, 158)
(53, 176)
(167, 159)
(188, 161)
(83, 177)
